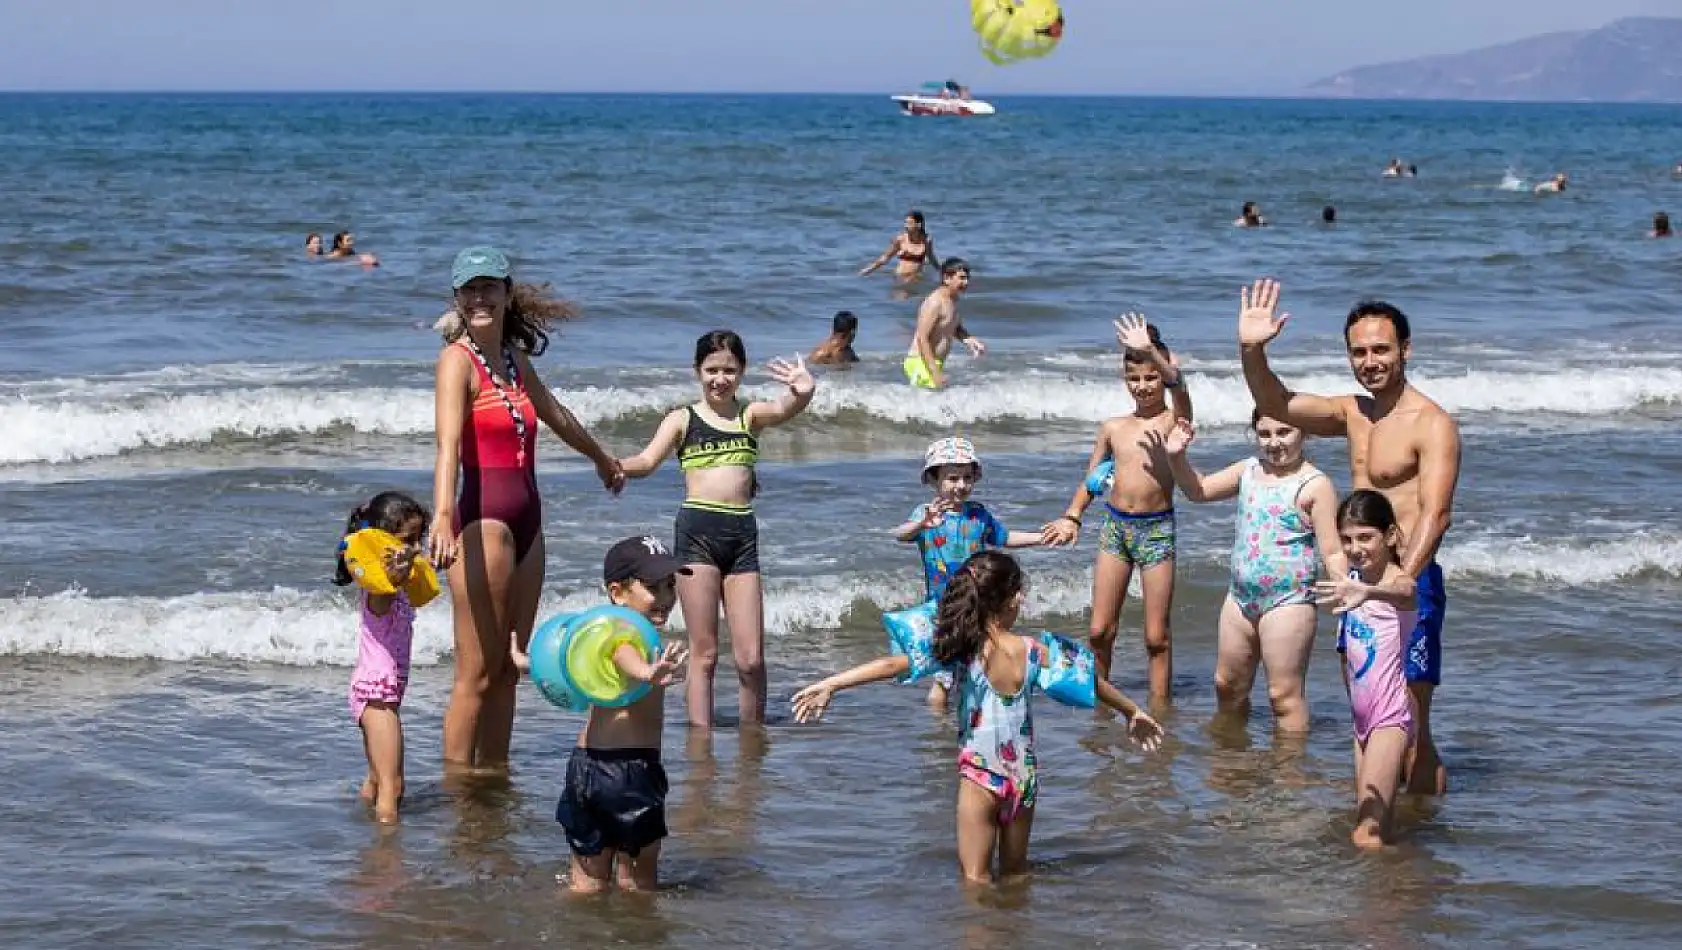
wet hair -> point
(312, 236)
(1129, 356)
(720, 341)
(339, 240)
(1365, 508)
(979, 592)
(1661, 223)
(916, 216)
(387, 511)
(844, 322)
(952, 266)
(1248, 209)
(1378, 308)
(1328, 214)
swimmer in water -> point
(914, 246)
(1250, 217)
(344, 246)
(1555, 185)
(1661, 225)
(1328, 215)
(312, 245)
(938, 324)
(837, 348)
(1394, 169)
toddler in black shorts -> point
(614, 805)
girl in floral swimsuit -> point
(1286, 510)
(996, 672)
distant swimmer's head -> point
(312, 244)
(845, 324)
(720, 359)
(1250, 216)
(1378, 339)
(1661, 224)
(915, 224)
(344, 244)
(954, 274)
(952, 468)
(1328, 215)
(1279, 442)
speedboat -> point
(941, 98)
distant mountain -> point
(1629, 60)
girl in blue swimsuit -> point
(1286, 528)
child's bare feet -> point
(370, 790)
(385, 814)
(1367, 837)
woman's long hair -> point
(532, 308)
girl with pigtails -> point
(995, 674)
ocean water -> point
(189, 408)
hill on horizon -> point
(1628, 60)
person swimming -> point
(344, 246)
(914, 246)
(837, 348)
(1328, 215)
(1661, 225)
(1250, 216)
(1555, 185)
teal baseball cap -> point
(481, 261)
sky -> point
(1190, 47)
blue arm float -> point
(1098, 482)
(1068, 673)
(911, 635)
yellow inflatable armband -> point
(1015, 30)
(365, 557)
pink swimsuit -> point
(382, 656)
(1370, 638)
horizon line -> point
(1298, 96)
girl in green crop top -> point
(717, 446)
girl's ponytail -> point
(979, 592)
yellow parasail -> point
(1014, 30)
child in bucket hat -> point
(950, 528)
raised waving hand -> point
(1258, 318)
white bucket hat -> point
(952, 450)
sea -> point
(189, 408)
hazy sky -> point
(1144, 46)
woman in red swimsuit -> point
(913, 245)
(490, 535)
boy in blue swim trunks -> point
(951, 528)
(1138, 527)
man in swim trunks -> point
(938, 324)
(1401, 444)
